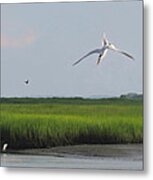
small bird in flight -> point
(26, 81)
(106, 45)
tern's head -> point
(111, 46)
(107, 44)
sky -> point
(41, 41)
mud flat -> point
(124, 157)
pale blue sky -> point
(40, 42)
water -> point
(127, 162)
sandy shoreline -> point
(112, 151)
(116, 156)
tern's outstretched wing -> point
(125, 53)
(91, 52)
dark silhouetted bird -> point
(26, 81)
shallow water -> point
(128, 161)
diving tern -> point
(106, 45)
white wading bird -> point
(106, 45)
(4, 147)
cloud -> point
(18, 41)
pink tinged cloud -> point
(19, 41)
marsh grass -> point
(41, 125)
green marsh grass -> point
(35, 124)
